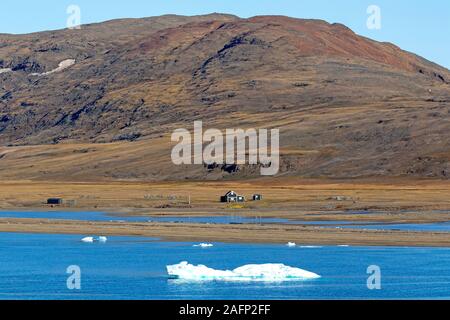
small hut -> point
(257, 197)
(232, 196)
(55, 201)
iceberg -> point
(94, 239)
(88, 239)
(252, 272)
(291, 244)
(204, 245)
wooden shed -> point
(55, 201)
(232, 196)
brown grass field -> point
(399, 201)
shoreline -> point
(403, 202)
(357, 202)
(352, 218)
(245, 233)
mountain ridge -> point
(347, 106)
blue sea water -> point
(431, 227)
(102, 216)
(34, 267)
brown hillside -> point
(346, 106)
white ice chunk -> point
(5, 70)
(204, 245)
(291, 244)
(253, 272)
(88, 239)
(94, 239)
(62, 65)
(310, 247)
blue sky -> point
(422, 27)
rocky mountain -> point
(346, 106)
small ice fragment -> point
(102, 239)
(204, 245)
(291, 244)
(310, 247)
(88, 239)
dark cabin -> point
(257, 197)
(232, 196)
(55, 201)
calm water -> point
(33, 267)
(433, 227)
(101, 216)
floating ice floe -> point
(94, 239)
(291, 244)
(5, 70)
(204, 245)
(310, 247)
(87, 239)
(252, 272)
(62, 65)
